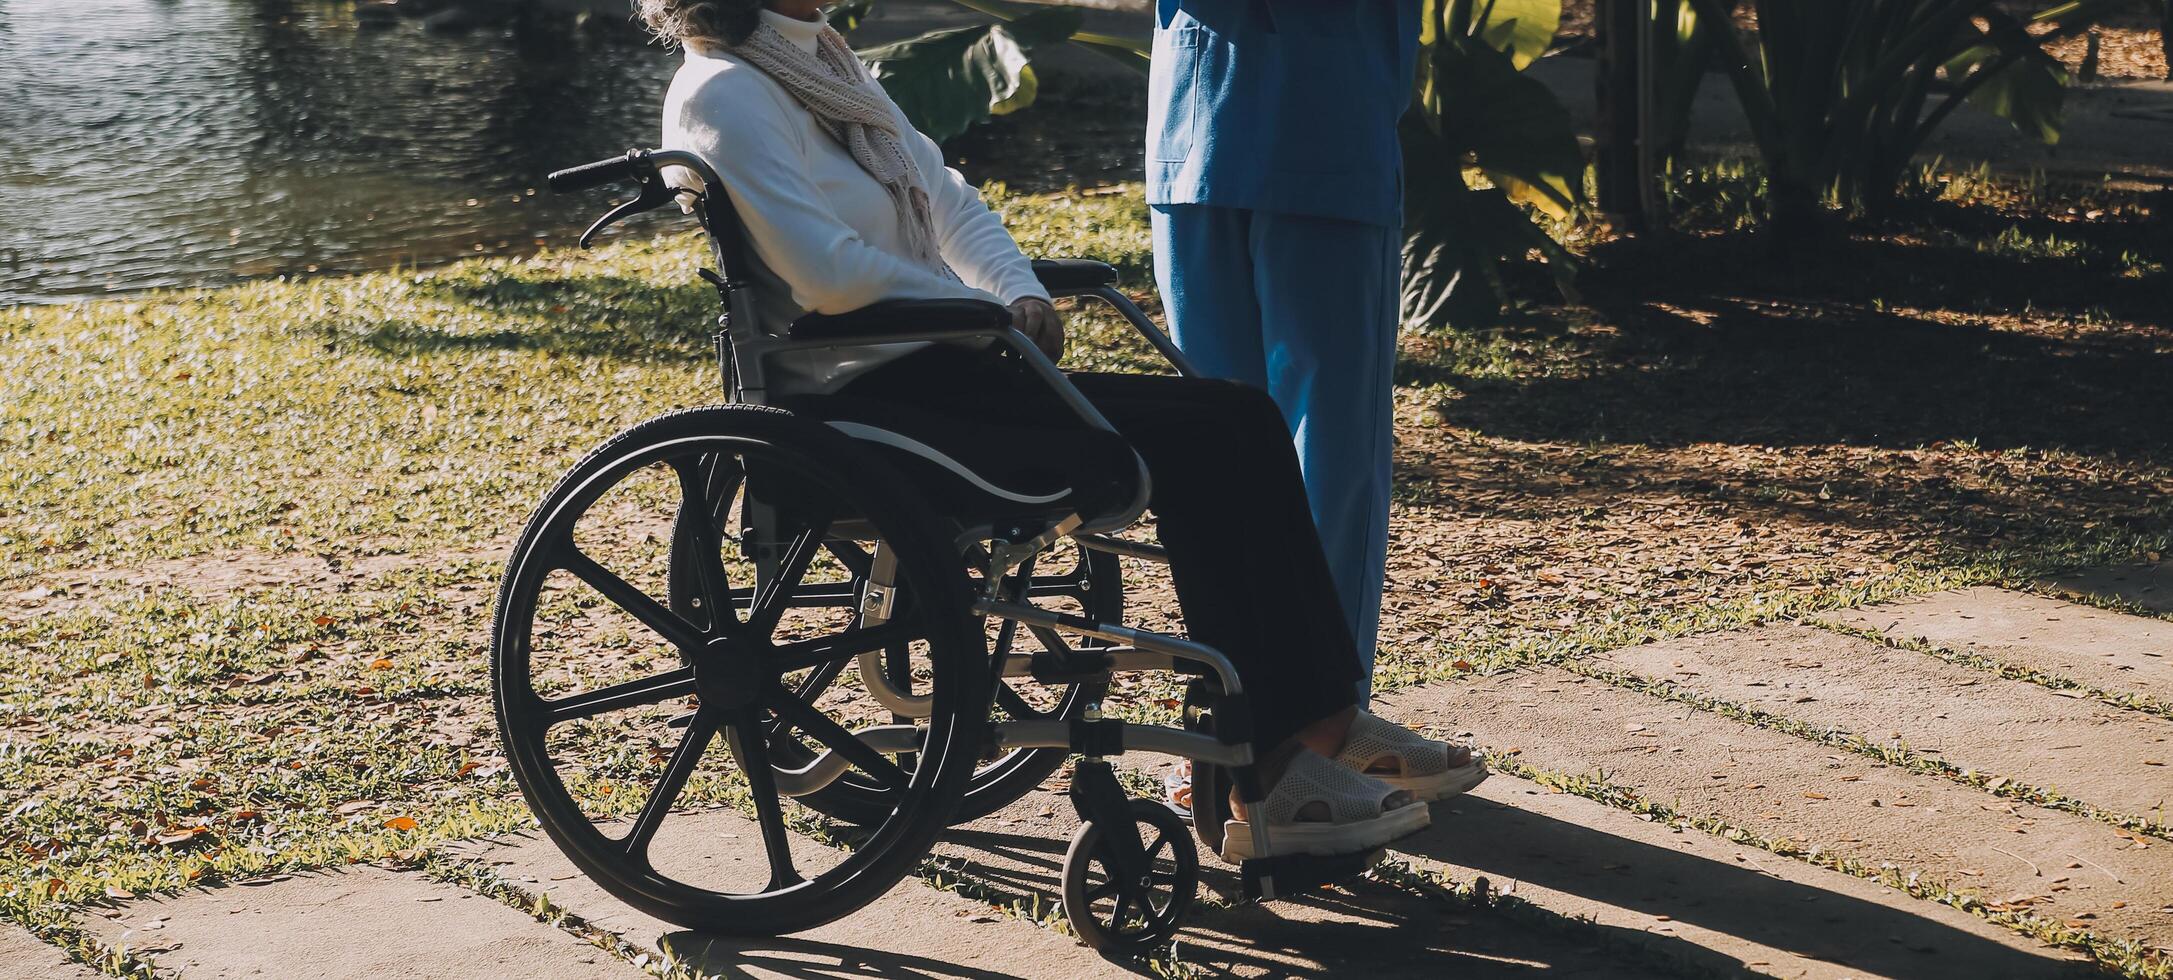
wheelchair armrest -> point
(1061, 276)
(902, 316)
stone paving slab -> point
(27, 957)
(1358, 928)
(2107, 650)
(2148, 586)
(1745, 903)
(364, 923)
(916, 930)
(1782, 787)
(2117, 759)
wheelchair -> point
(858, 648)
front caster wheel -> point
(1137, 913)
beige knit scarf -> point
(833, 86)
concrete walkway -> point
(1928, 788)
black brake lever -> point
(654, 194)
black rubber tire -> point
(1165, 833)
(893, 846)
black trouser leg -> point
(1228, 496)
(1230, 505)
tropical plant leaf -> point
(2029, 92)
(1456, 236)
(1508, 123)
(1129, 52)
(1522, 29)
(846, 15)
(946, 81)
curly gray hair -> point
(672, 21)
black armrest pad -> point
(1073, 275)
(903, 316)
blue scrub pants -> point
(1305, 308)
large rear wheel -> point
(645, 738)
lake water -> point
(148, 143)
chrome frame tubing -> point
(1122, 547)
(1140, 321)
(1012, 735)
(1139, 639)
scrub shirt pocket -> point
(1176, 69)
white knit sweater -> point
(825, 230)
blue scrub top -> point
(1287, 106)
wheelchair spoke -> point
(632, 694)
(684, 758)
(1102, 891)
(812, 722)
(776, 595)
(769, 809)
(684, 635)
(803, 654)
(810, 688)
(1013, 704)
(708, 543)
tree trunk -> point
(2165, 36)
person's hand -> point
(1034, 317)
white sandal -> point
(1407, 760)
(1323, 809)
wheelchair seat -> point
(981, 472)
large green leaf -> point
(946, 81)
(2029, 92)
(1522, 29)
(1456, 237)
(1507, 122)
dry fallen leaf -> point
(1815, 796)
(381, 663)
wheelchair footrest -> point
(1268, 879)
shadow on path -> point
(734, 956)
(1510, 844)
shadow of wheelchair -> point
(1511, 844)
(728, 956)
(1360, 927)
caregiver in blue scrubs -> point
(1276, 184)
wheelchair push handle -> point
(597, 174)
(645, 169)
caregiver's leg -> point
(1231, 509)
(1203, 264)
(1327, 293)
